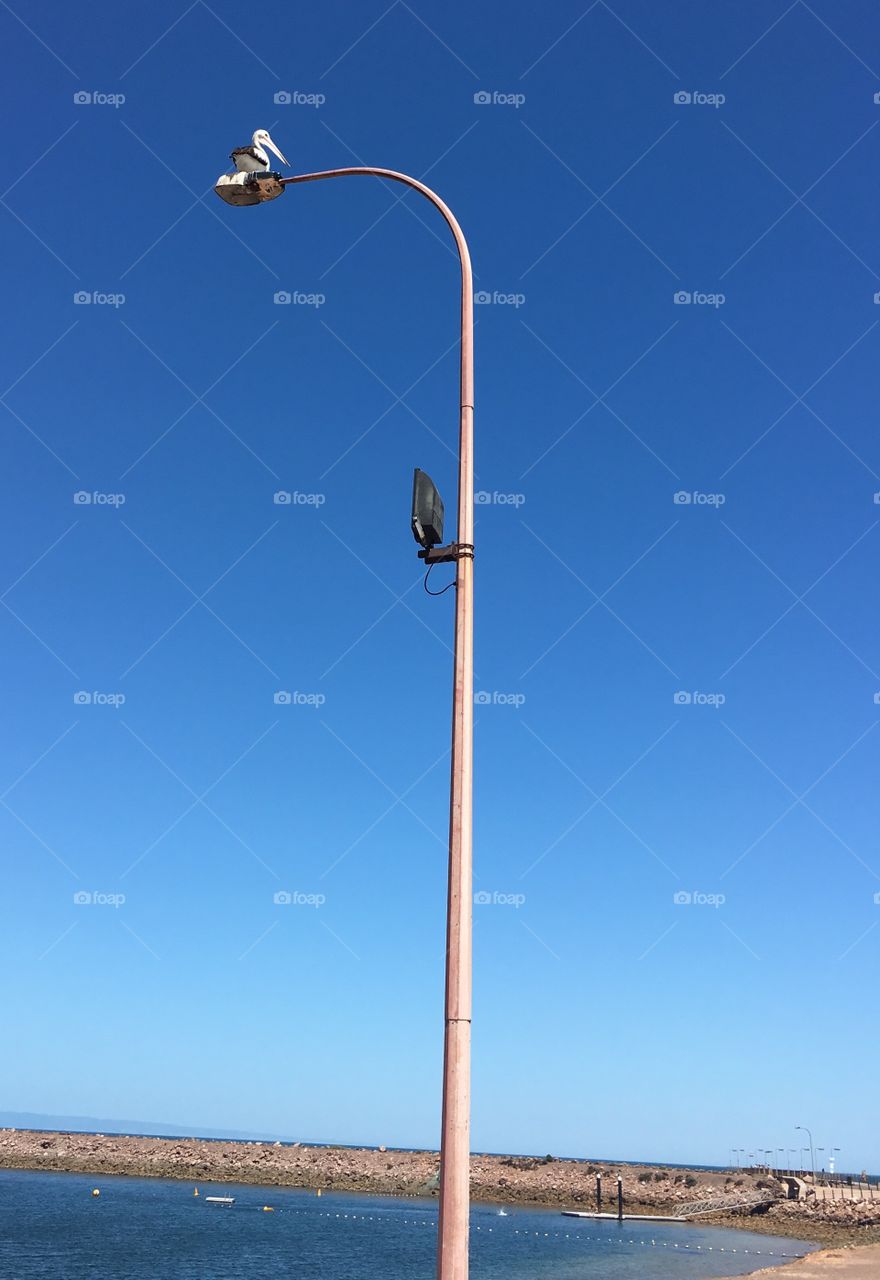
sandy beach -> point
(831, 1264)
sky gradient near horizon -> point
(672, 216)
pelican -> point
(254, 159)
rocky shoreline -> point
(526, 1180)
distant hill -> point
(151, 1128)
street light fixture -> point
(452, 1244)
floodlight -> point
(427, 510)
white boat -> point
(219, 1199)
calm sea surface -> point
(52, 1227)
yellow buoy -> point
(267, 1208)
(196, 1191)
(96, 1192)
(318, 1192)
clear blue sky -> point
(609, 1018)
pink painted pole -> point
(452, 1246)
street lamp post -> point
(809, 1134)
(452, 1246)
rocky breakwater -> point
(339, 1168)
(527, 1180)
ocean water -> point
(53, 1228)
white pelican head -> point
(261, 139)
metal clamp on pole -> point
(445, 555)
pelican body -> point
(255, 159)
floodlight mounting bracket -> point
(445, 555)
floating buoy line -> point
(542, 1235)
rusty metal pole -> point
(452, 1246)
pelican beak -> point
(271, 145)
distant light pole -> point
(809, 1134)
(452, 1244)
